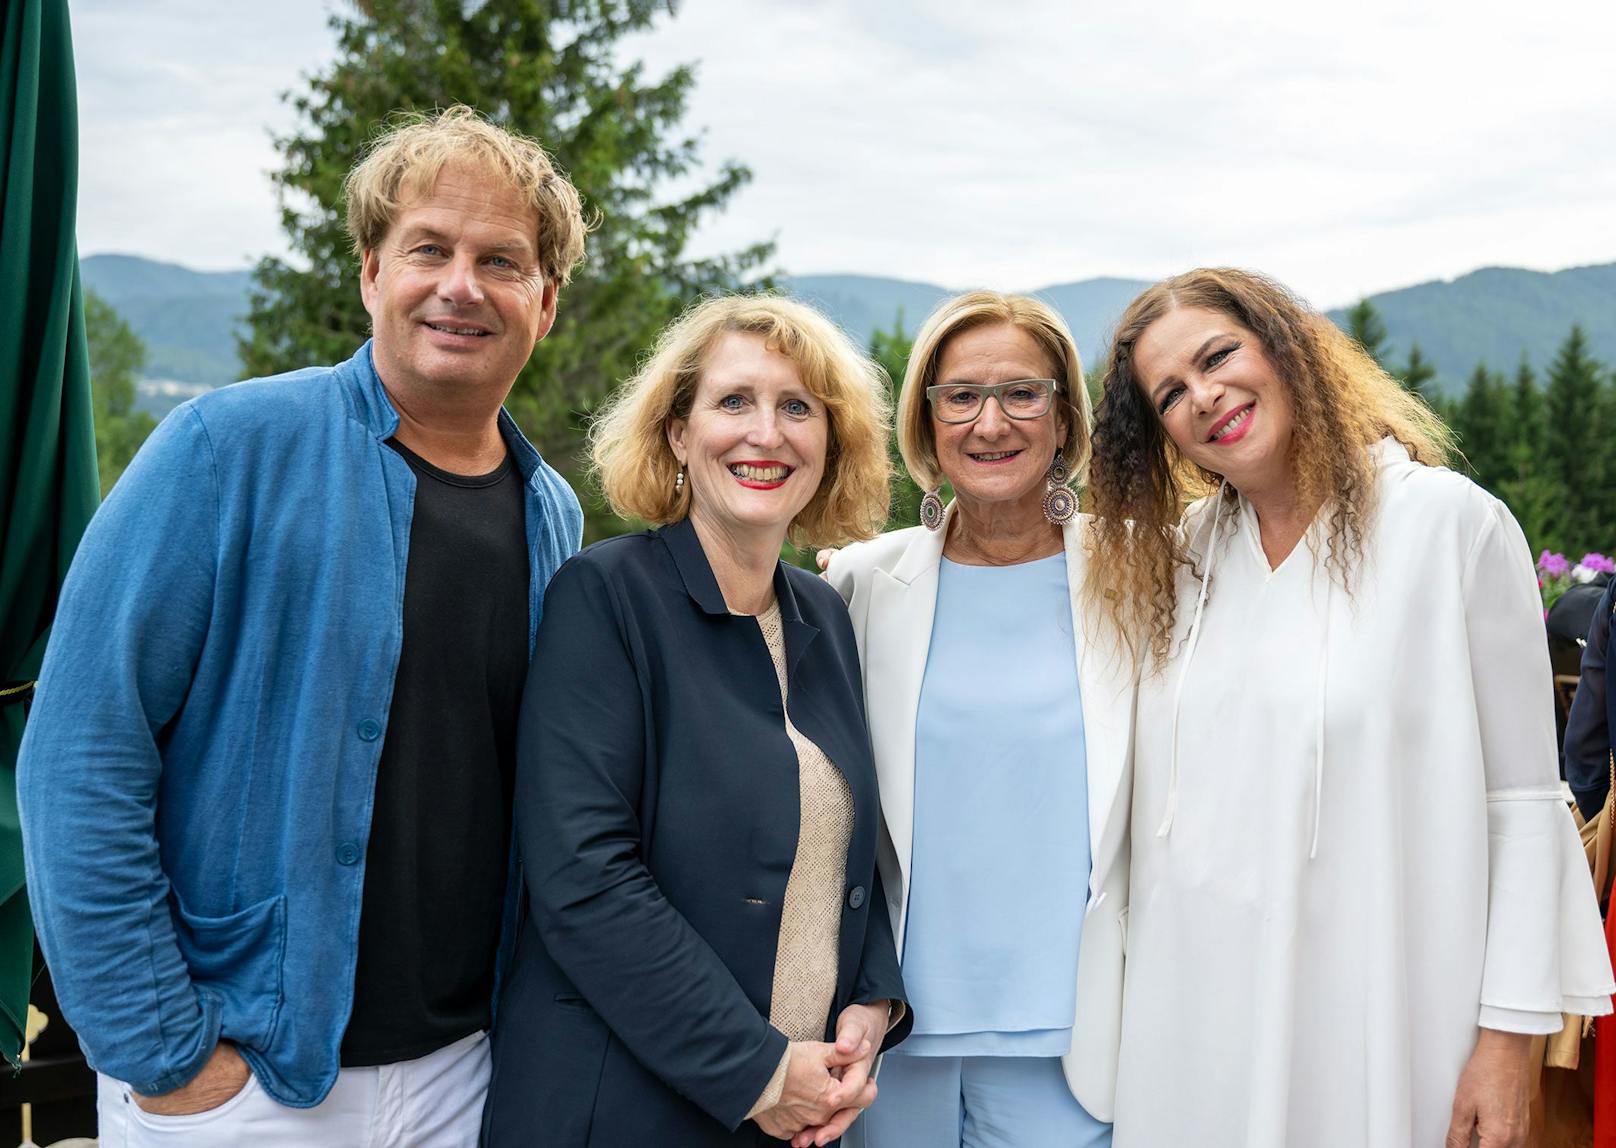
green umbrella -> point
(48, 482)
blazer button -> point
(370, 729)
(855, 897)
(348, 853)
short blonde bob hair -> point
(916, 438)
(636, 467)
(405, 160)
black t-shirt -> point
(435, 866)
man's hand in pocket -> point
(224, 1075)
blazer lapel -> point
(799, 632)
(902, 605)
(1105, 676)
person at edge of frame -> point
(1587, 734)
(1356, 891)
(266, 784)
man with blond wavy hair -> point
(266, 785)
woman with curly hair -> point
(1356, 890)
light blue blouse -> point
(1001, 840)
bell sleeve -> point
(1546, 950)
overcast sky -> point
(1345, 149)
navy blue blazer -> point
(657, 818)
(1589, 726)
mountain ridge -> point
(188, 318)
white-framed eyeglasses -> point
(1018, 399)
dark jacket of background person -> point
(657, 816)
(1587, 735)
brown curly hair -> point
(1343, 402)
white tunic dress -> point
(1362, 853)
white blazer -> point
(890, 586)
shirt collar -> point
(369, 404)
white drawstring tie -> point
(1171, 806)
(1318, 730)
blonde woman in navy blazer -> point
(706, 958)
(1010, 916)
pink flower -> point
(1598, 562)
(1553, 565)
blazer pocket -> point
(239, 960)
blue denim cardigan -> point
(197, 776)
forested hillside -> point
(188, 319)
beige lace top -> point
(811, 916)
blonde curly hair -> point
(635, 464)
(1342, 403)
(406, 158)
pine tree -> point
(1574, 404)
(1604, 466)
(1094, 381)
(1483, 423)
(116, 357)
(1527, 411)
(1365, 325)
(554, 71)
(1417, 372)
(1529, 492)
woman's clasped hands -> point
(828, 1085)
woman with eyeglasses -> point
(1004, 802)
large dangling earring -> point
(931, 510)
(1060, 503)
(679, 479)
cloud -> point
(178, 100)
(1015, 144)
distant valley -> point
(188, 318)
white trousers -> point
(433, 1102)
